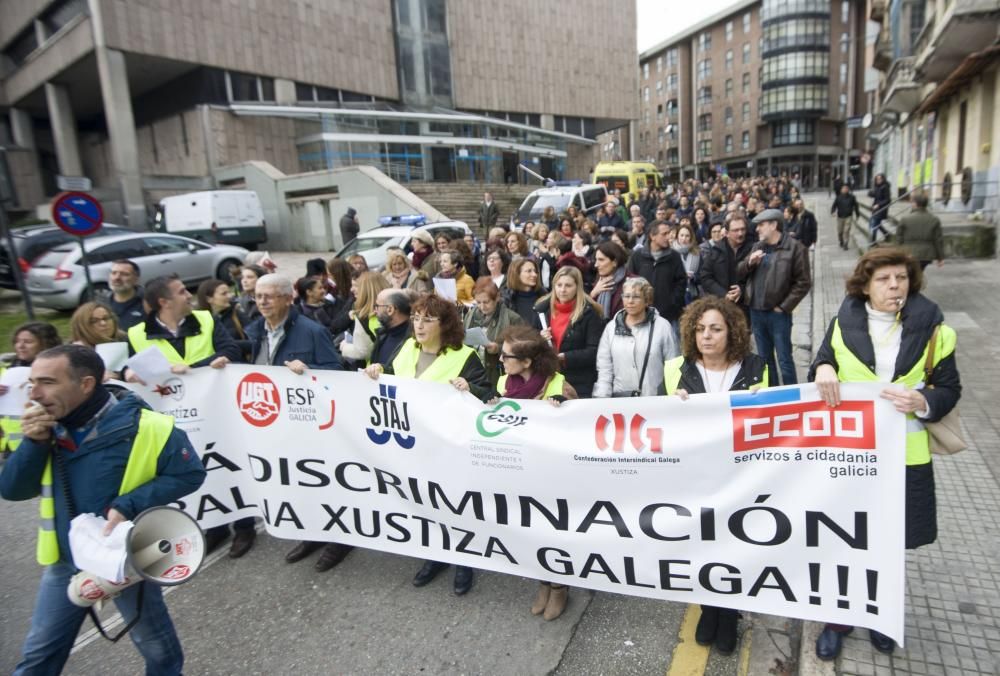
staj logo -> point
(391, 415)
(810, 424)
(640, 435)
(257, 398)
(495, 421)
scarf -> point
(420, 256)
(519, 388)
(561, 314)
(605, 298)
(448, 275)
(582, 253)
(82, 414)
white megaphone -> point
(165, 547)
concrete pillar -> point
(63, 130)
(22, 129)
(284, 91)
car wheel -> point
(225, 270)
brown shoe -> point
(302, 550)
(557, 602)
(242, 543)
(541, 599)
(332, 554)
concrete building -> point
(765, 86)
(152, 98)
(937, 117)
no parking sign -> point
(77, 213)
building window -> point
(845, 11)
(672, 156)
(645, 116)
(672, 58)
(797, 33)
(729, 31)
(246, 87)
(796, 65)
(729, 59)
(645, 93)
(672, 132)
(659, 63)
(746, 83)
(704, 69)
(729, 116)
(729, 88)
(792, 98)
(746, 52)
(705, 122)
(672, 82)
(843, 75)
(844, 41)
(659, 135)
(645, 71)
(659, 111)
(704, 149)
(792, 132)
(671, 108)
(745, 142)
(659, 86)
(729, 143)
(704, 96)
(746, 111)
(843, 105)
(704, 42)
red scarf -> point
(561, 313)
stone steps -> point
(461, 201)
(964, 235)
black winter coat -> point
(579, 346)
(668, 277)
(718, 268)
(918, 318)
(751, 373)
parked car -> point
(57, 278)
(396, 231)
(217, 216)
(34, 240)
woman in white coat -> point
(634, 346)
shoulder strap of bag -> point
(929, 363)
(649, 346)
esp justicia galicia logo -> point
(502, 417)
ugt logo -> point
(636, 429)
(390, 414)
(495, 421)
(257, 399)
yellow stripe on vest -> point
(445, 367)
(196, 348)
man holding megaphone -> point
(87, 451)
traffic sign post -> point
(79, 214)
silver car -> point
(57, 279)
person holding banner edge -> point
(436, 353)
(715, 357)
(882, 333)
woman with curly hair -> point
(436, 353)
(715, 357)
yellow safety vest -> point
(447, 365)
(553, 386)
(154, 430)
(196, 348)
(850, 369)
(11, 429)
(672, 374)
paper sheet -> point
(95, 553)
(476, 337)
(446, 288)
(150, 365)
(114, 355)
(16, 380)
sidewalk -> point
(953, 585)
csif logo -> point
(810, 424)
(390, 419)
(495, 421)
(612, 434)
(258, 400)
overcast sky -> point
(660, 19)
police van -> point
(560, 195)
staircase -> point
(460, 201)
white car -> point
(57, 278)
(373, 244)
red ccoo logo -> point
(177, 572)
(810, 424)
(258, 399)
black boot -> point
(882, 643)
(428, 572)
(726, 637)
(708, 625)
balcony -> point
(878, 8)
(966, 26)
(882, 59)
(902, 91)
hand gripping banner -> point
(769, 502)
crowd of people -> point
(680, 292)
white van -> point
(587, 198)
(217, 216)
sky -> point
(658, 20)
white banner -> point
(768, 502)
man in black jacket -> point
(717, 273)
(392, 308)
(662, 267)
(845, 206)
(808, 227)
(881, 194)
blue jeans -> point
(56, 622)
(772, 331)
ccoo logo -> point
(258, 401)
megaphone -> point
(165, 547)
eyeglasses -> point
(420, 319)
(504, 355)
(99, 320)
(266, 297)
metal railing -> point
(924, 187)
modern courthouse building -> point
(765, 86)
(150, 97)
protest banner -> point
(770, 502)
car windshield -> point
(53, 257)
(533, 207)
(364, 244)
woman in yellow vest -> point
(27, 340)
(530, 364)
(882, 333)
(436, 353)
(715, 357)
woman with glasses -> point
(93, 324)
(634, 346)
(436, 353)
(532, 372)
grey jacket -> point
(622, 351)
(920, 232)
